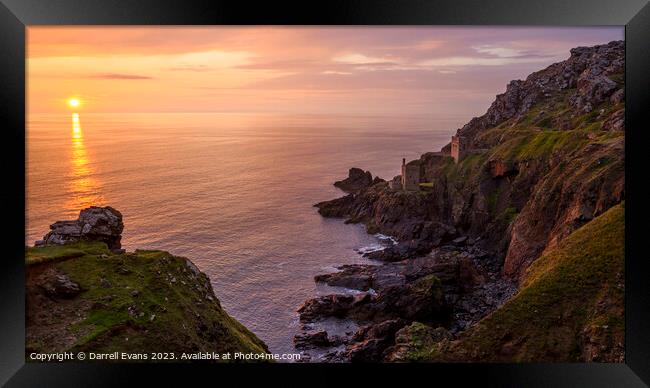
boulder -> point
(94, 224)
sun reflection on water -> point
(84, 188)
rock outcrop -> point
(94, 224)
(588, 71)
(357, 180)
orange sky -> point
(450, 71)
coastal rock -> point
(402, 250)
(334, 305)
(371, 341)
(421, 299)
(311, 340)
(357, 179)
(94, 224)
(358, 277)
(454, 268)
(339, 207)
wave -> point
(384, 242)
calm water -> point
(234, 193)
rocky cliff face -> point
(594, 73)
(547, 157)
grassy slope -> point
(172, 307)
(533, 140)
(571, 307)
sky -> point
(374, 71)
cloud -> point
(511, 52)
(477, 61)
(478, 55)
(501, 52)
(336, 72)
(191, 68)
(231, 68)
(361, 59)
(120, 76)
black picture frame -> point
(16, 15)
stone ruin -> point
(409, 180)
(410, 175)
(457, 148)
(94, 224)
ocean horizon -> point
(232, 192)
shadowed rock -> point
(311, 340)
(357, 180)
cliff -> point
(83, 296)
(547, 157)
(517, 232)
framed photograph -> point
(231, 190)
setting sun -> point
(73, 102)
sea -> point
(233, 192)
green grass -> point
(572, 295)
(534, 136)
(39, 255)
(144, 301)
(467, 169)
(539, 144)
